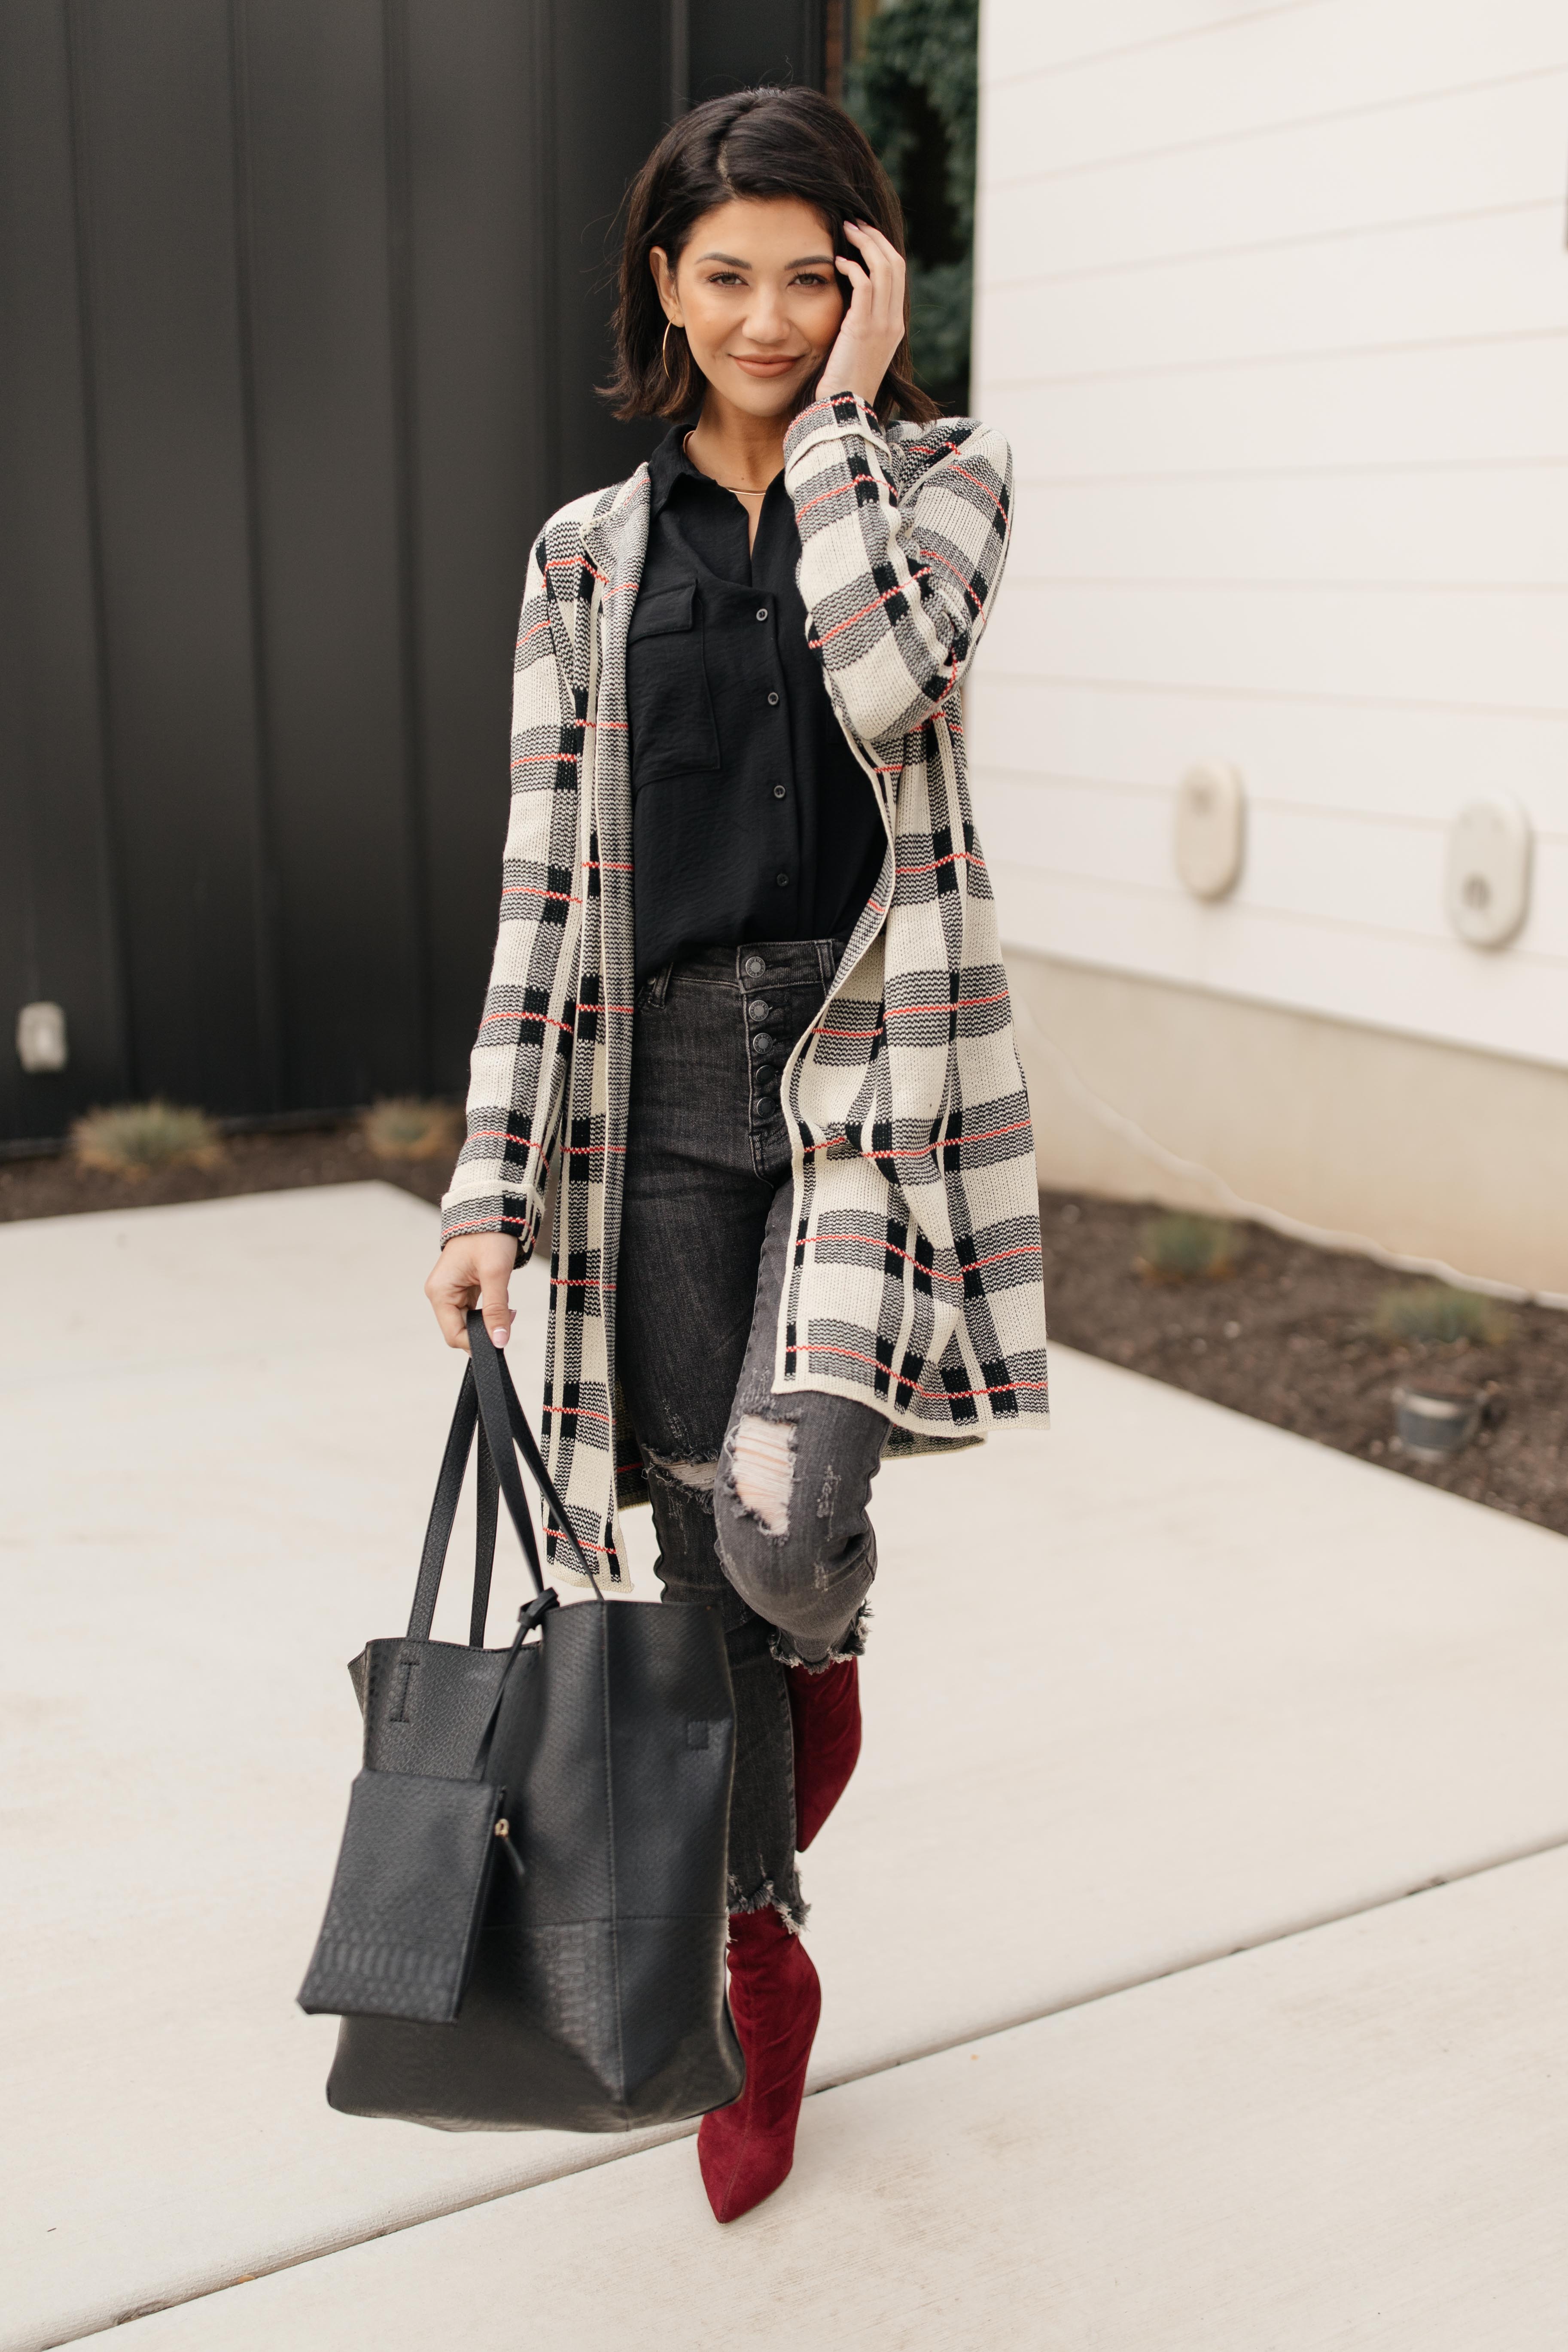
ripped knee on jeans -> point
(698, 1475)
(762, 1470)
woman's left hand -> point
(872, 327)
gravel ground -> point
(1286, 1337)
(271, 1162)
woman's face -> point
(759, 298)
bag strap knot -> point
(529, 1616)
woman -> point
(747, 988)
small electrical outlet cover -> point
(1211, 828)
(1487, 885)
(41, 1044)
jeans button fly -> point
(753, 967)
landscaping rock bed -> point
(271, 1161)
(1288, 1336)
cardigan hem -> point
(919, 1433)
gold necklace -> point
(736, 489)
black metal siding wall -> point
(302, 303)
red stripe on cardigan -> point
(549, 1019)
(926, 1150)
(839, 626)
(872, 1240)
(957, 574)
(937, 1396)
(536, 890)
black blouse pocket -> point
(668, 701)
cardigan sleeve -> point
(896, 594)
(520, 1058)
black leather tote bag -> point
(594, 1992)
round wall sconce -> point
(1211, 828)
(1487, 885)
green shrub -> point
(1438, 1314)
(1178, 1247)
(912, 87)
(133, 1138)
(406, 1128)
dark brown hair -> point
(757, 144)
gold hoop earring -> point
(664, 347)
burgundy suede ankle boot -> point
(746, 2149)
(824, 1709)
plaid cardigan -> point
(915, 1282)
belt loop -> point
(657, 988)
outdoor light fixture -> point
(1210, 828)
(41, 1039)
(1486, 888)
(1437, 1418)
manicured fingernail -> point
(499, 1336)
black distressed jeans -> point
(759, 1502)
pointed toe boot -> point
(746, 2149)
(825, 1709)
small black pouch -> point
(404, 1914)
(408, 1896)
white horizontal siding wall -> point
(1272, 301)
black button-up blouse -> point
(752, 817)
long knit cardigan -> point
(914, 1283)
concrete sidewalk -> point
(1355, 2139)
(1163, 1685)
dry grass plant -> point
(135, 1138)
(1180, 1247)
(406, 1127)
(1436, 1315)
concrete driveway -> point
(1131, 2038)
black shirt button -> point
(753, 967)
(778, 791)
(772, 700)
(763, 613)
(783, 881)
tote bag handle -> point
(504, 1424)
(487, 1406)
(443, 1511)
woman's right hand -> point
(473, 1271)
(872, 327)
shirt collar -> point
(668, 465)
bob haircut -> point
(755, 143)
